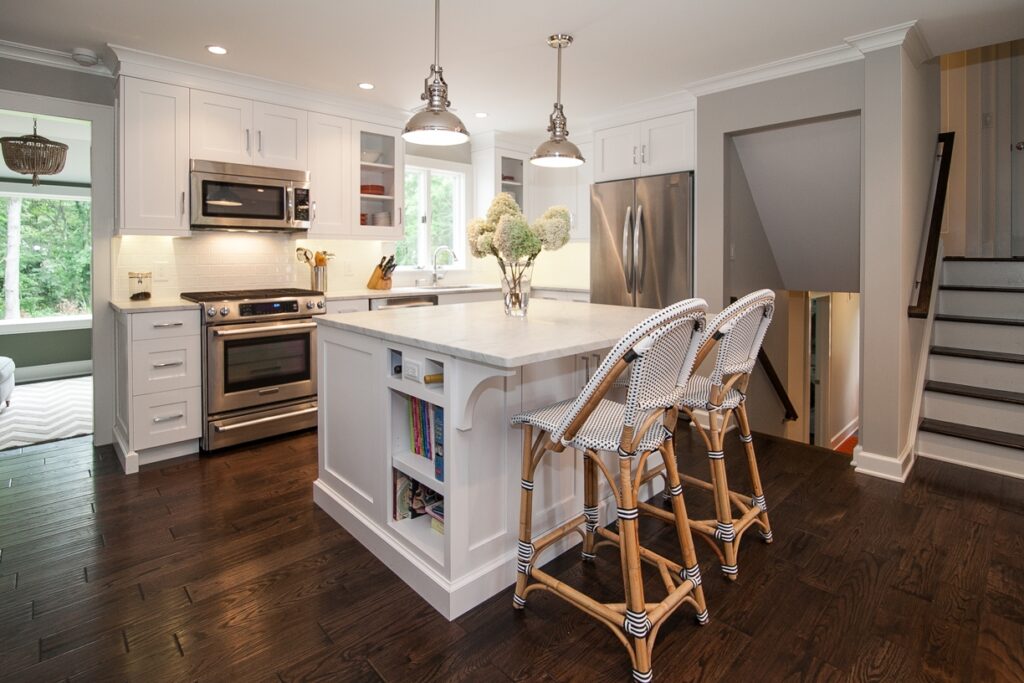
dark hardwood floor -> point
(221, 568)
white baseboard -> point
(884, 466)
(38, 373)
(845, 433)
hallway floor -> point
(221, 568)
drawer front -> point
(165, 324)
(166, 417)
(166, 364)
(348, 306)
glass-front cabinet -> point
(379, 172)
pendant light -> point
(435, 125)
(558, 152)
(34, 155)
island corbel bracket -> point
(470, 383)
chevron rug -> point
(47, 411)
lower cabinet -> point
(159, 401)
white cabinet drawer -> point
(166, 364)
(348, 306)
(166, 417)
(165, 324)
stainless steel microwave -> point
(242, 197)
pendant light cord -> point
(558, 87)
(437, 32)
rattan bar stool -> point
(737, 333)
(660, 352)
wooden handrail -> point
(923, 285)
(775, 381)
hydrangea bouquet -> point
(505, 234)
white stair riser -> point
(983, 273)
(1006, 338)
(975, 372)
(976, 412)
(971, 453)
(982, 304)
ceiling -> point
(495, 56)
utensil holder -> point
(318, 278)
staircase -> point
(973, 408)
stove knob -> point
(309, 304)
(211, 311)
(320, 304)
(225, 310)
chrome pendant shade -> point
(34, 155)
(557, 151)
(435, 125)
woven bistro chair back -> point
(740, 329)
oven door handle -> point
(262, 420)
(260, 330)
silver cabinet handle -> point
(160, 325)
(418, 304)
(169, 364)
(289, 204)
(268, 328)
(247, 147)
(643, 154)
(639, 244)
(182, 203)
(400, 216)
(627, 263)
(634, 155)
(259, 141)
(261, 420)
(314, 211)
(168, 418)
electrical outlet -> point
(413, 370)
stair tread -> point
(980, 434)
(981, 288)
(986, 393)
(978, 354)
(978, 320)
(994, 259)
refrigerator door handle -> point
(639, 245)
(627, 264)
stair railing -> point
(927, 258)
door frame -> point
(821, 324)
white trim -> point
(844, 433)
(701, 417)
(663, 105)
(38, 373)
(149, 66)
(995, 469)
(44, 191)
(906, 34)
(55, 323)
(789, 66)
(884, 466)
(52, 58)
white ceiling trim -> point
(663, 105)
(47, 57)
(790, 66)
(906, 34)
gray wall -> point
(44, 348)
(43, 80)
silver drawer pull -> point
(268, 328)
(158, 325)
(169, 364)
(261, 420)
(168, 418)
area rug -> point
(47, 411)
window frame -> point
(463, 210)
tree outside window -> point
(434, 216)
(47, 256)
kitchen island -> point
(422, 397)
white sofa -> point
(6, 381)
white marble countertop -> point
(363, 293)
(151, 305)
(482, 332)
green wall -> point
(44, 348)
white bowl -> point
(371, 157)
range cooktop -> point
(257, 304)
(243, 294)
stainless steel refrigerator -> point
(641, 241)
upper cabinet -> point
(330, 171)
(661, 145)
(240, 131)
(500, 169)
(153, 157)
(378, 163)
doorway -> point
(819, 356)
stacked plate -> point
(380, 218)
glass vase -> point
(515, 288)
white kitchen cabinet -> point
(153, 158)
(158, 386)
(221, 127)
(330, 172)
(499, 169)
(378, 163)
(568, 187)
(660, 145)
(280, 136)
(236, 130)
(347, 306)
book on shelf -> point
(437, 429)
(436, 513)
(402, 508)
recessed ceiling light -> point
(216, 50)
(481, 115)
(366, 86)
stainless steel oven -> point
(240, 197)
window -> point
(46, 254)
(435, 213)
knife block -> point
(377, 280)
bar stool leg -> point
(691, 570)
(636, 624)
(590, 509)
(525, 551)
(725, 531)
(755, 477)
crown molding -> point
(663, 105)
(146, 65)
(906, 34)
(46, 57)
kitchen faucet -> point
(438, 276)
